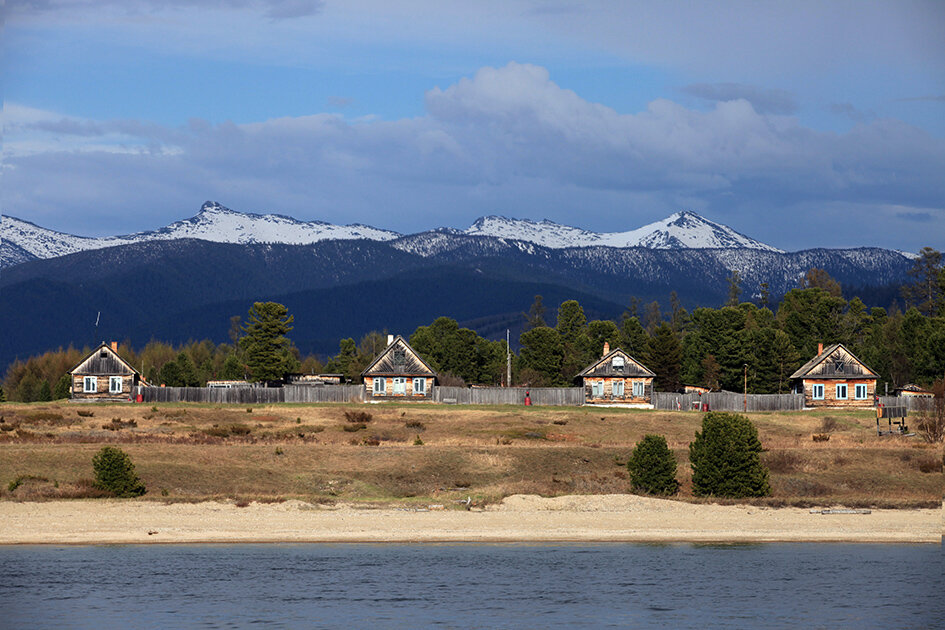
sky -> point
(801, 124)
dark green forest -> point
(708, 346)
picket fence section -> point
(540, 396)
(254, 395)
(728, 401)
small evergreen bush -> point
(115, 473)
(725, 458)
(652, 467)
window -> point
(618, 389)
(114, 384)
(617, 363)
(379, 386)
(420, 386)
(859, 391)
(400, 386)
(399, 357)
(842, 391)
(90, 384)
(817, 392)
(639, 389)
(597, 389)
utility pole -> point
(746, 388)
(508, 360)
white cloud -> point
(505, 140)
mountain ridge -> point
(217, 223)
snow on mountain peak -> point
(684, 229)
(215, 222)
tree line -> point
(710, 347)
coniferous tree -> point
(268, 352)
(926, 290)
(535, 317)
(664, 358)
(44, 392)
(725, 458)
(652, 467)
(232, 369)
(63, 387)
(734, 290)
(633, 338)
(542, 352)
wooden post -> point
(746, 388)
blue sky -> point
(802, 124)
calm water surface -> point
(472, 586)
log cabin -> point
(835, 378)
(104, 375)
(617, 378)
(398, 373)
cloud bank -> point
(506, 140)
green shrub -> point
(725, 458)
(115, 473)
(652, 467)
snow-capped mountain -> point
(214, 223)
(680, 230)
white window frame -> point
(846, 391)
(619, 388)
(597, 389)
(420, 386)
(399, 386)
(379, 386)
(639, 389)
(815, 388)
(860, 387)
(89, 384)
(112, 380)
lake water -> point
(472, 586)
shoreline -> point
(517, 519)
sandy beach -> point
(519, 518)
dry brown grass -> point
(197, 452)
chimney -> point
(820, 349)
(390, 339)
(606, 348)
(115, 346)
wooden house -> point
(398, 373)
(104, 375)
(835, 378)
(914, 391)
(617, 378)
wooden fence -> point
(729, 401)
(254, 395)
(541, 396)
(911, 403)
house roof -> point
(604, 366)
(103, 360)
(390, 363)
(834, 362)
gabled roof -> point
(825, 365)
(103, 360)
(605, 367)
(388, 362)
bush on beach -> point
(115, 473)
(652, 467)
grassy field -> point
(432, 453)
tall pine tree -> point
(268, 352)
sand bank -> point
(607, 518)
